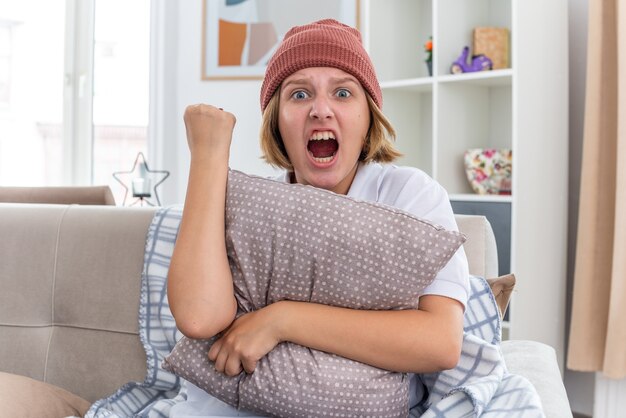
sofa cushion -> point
(294, 242)
(538, 363)
(502, 288)
(24, 397)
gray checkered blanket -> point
(479, 386)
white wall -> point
(182, 57)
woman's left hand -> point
(246, 341)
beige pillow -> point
(24, 397)
(294, 242)
(502, 287)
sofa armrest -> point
(537, 362)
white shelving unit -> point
(523, 108)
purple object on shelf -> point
(479, 62)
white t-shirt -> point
(405, 188)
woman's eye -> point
(343, 93)
(299, 95)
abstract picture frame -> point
(239, 36)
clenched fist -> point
(209, 130)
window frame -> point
(78, 92)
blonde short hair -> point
(378, 146)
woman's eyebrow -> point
(297, 82)
(343, 80)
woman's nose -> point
(321, 108)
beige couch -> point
(70, 280)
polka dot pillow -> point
(295, 242)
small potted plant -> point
(428, 47)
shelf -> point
(482, 78)
(411, 114)
(469, 116)
(456, 21)
(468, 197)
(421, 84)
(396, 37)
(438, 118)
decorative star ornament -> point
(139, 181)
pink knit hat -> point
(325, 43)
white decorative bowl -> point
(488, 170)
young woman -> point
(322, 123)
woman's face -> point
(323, 118)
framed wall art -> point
(240, 36)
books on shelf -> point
(494, 43)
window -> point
(6, 52)
(120, 98)
(31, 92)
(73, 90)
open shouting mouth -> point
(323, 146)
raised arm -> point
(200, 286)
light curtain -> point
(597, 339)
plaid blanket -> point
(160, 390)
(479, 386)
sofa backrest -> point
(80, 195)
(70, 279)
